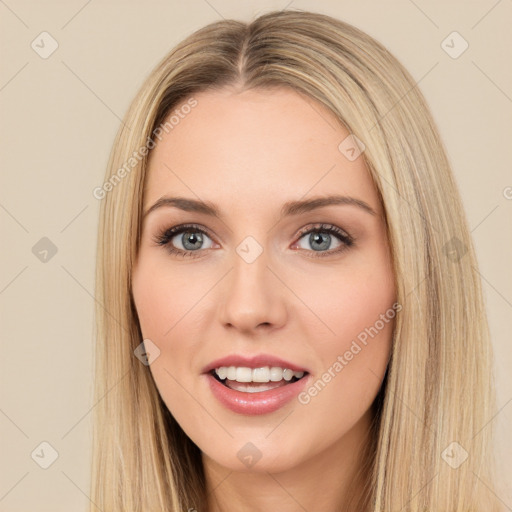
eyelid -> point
(323, 226)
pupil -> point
(192, 240)
(315, 238)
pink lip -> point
(256, 361)
(263, 402)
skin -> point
(249, 152)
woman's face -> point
(258, 285)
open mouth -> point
(246, 384)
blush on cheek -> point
(159, 305)
(350, 317)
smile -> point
(254, 380)
(254, 391)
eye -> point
(321, 238)
(184, 240)
(187, 240)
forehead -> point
(255, 148)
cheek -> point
(350, 301)
(163, 296)
(164, 299)
(170, 311)
(357, 304)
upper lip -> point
(254, 361)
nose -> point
(252, 298)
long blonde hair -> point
(438, 388)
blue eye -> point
(187, 240)
(320, 238)
(190, 236)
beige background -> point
(59, 116)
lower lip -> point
(262, 402)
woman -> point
(290, 313)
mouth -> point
(260, 386)
(256, 380)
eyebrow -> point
(288, 209)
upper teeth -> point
(264, 374)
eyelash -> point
(164, 239)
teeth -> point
(263, 374)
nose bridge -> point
(252, 295)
